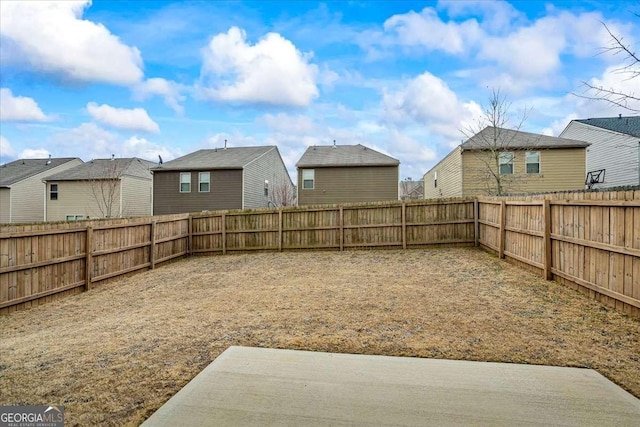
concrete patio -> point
(257, 386)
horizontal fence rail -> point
(591, 244)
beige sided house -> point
(22, 193)
(528, 163)
(336, 174)
(100, 188)
(219, 179)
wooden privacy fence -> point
(392, 224)
(590, 245)
(38, 262)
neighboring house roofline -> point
(519, 141)
(623, 125)
(319, 156)
(231, 158)
(21, 169)
(96, 170)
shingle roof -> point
(517, 140)
(219, 158)
(627, 125)
(21, 169)
(105, 169)
(344, 155)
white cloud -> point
(19, 108)
(169, 90)
(272, 71)
(145, 149)
(34, 153)
(615, 79)
(6, 150)
(232, 140)
(123, 118)
(427, 30)
(424, 98)
(53, 38)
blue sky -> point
(151, 77)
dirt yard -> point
(115, 354)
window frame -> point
(185, 174)
(312, 179)
(53, 192)
(435, 179)
(527, 163)
(200, 182)
(74, 217)
(501, 162)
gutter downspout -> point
(45, 200)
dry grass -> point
(115, 354)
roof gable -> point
(517, 140)
(625, 125)
(218, 158)
(22, 169)
(105, 169)
(344, 155)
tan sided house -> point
(335, 174)
(100, 188)
(222, 178)
(501, 161)
(22, 193)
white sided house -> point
(100, 188)
(22, 193)
(613, 158)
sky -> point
(147, 78)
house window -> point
(308, 179)
(435, 179)
(506, 163)
(185, 182)
(204, 182)
(74, 217)
(53, 194)
(532, 160)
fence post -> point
(88, 260)
(476, 223)
(152, 246)
(341, 219)
(503, 232)
(546, 214)
(224, 233)
(280, 229)
(404, 225)
(190, 239)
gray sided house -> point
(613, 158)
(22, 193)
(336, 174)
(100, 188)
(219, 179)
(527, 162)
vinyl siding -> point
(350, 184)
(267, 167)
(225, 192)
(78, 198)
(616, 153)
(27, 196)
(136, 196)
(5, 205)
(449, 177)
(560, 169)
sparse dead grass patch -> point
(115, 354)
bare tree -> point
(492, 138)
(629, 70)
(104, 181)
(283, 193)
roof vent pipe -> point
(620, 115)
(334, 143)
(225, 144)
